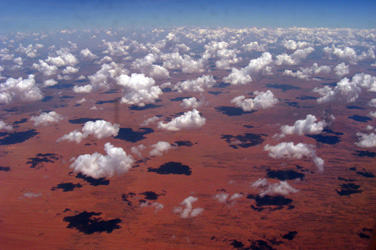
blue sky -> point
(37, 15)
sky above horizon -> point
(23, 15)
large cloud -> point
(348, 54)
(341, 70)
(246, 74)
(184, 63)
(263, 100)
(99, 129)
(295, 58)
(4, 126)
(46, 118)
(189, 120)
(289, 150)
(197, 85)
(139, 89)
(187, 210)
(366, 140)
(87, 55)
(45, 68)
(280, 188)
(159, 148)
(145, 65)
(24, 90)
(308, 73)
(98, 166)
(191, 102)
(347, 90)
(63, 58)
(301, 127)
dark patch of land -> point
(172, 168)
(366, 174)
(147, 106)
(284, 174)
(89, 223)
(127, 134)
(16, 137)
(92, 181)
(47, 98)
(5, 169)
(272, 202)
(365, 233)
(283, 87)
(184, 143)
(306, 97)
(62, 86)
(355, 107)
(326, 139)
(67, 186)
(108, 101)
(233, 111)
(348, 189)
(293, 104)
(359, 118)
(245, 141)
(39, 160)
(290, 235)
(365, 153)
(20, 121)
(179, 99)
(214, 92)
(83, 120)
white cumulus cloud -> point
(295, 58)
(301, 127)
(263, 100)
(4, 126)
(189, 120)
(196, 85)
(366, 140)
(187, 210)
(96, 165)
(46, 118)
(279, 188)
(160, 148)
(289, 150)
(20, 89)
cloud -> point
(70, 70)
(32, 195)
(247, 74)
(149, 120)
(184, 63)
(99, 129)
(341, 70)
(279, 188)
(145, 65)
(45, 68)
(46, 118)
(24, 90)
(197, 85)
(288, 150)
(30, 51)
(348, 54)
(4, 126)
(255, 46)
(295, 58)
(263, 100)
(159, 148)
(190, 103)
(87, 55)
(220, 50)
(366, 140)
(292, 45)
(372, 103)
(221, 197)
(49, 83)
(139, 89)
(83, 89)
(63, 58)
(189, 120)
(346, 90)
(101, 79)
(308, 73)
(301, 127)
(187, 210)
(97, 165)
(137, 150)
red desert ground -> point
(188, 138)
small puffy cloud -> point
(197, 85)
(32, 195)
(247, 74)
(145, 65)
(301, 127)
(46, 118)
(289, 150)
(308, 73)
(96, 165)
(190, 103)
(263, 100)
(254, 46)
(4, 126)
(189, 120)
(136, 150)
(185, 63)
(292, 45)
(347, 90)
(187, 210)
(99, 129)
(30, 51)
(221, 197)
(279, 188)
(45, 68)
(139, 89)
(101, 79)
(372, 114)
(24, 90)
(63, 58)
(158, 206)
(87, 55)
(341, 69)
(49, 83)
(295, 58)
(70, 70)
(366, 140)
(18, 61)
(372, 103)
(149, 120)
(83, 89)
(348, 54)
(159, 148)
